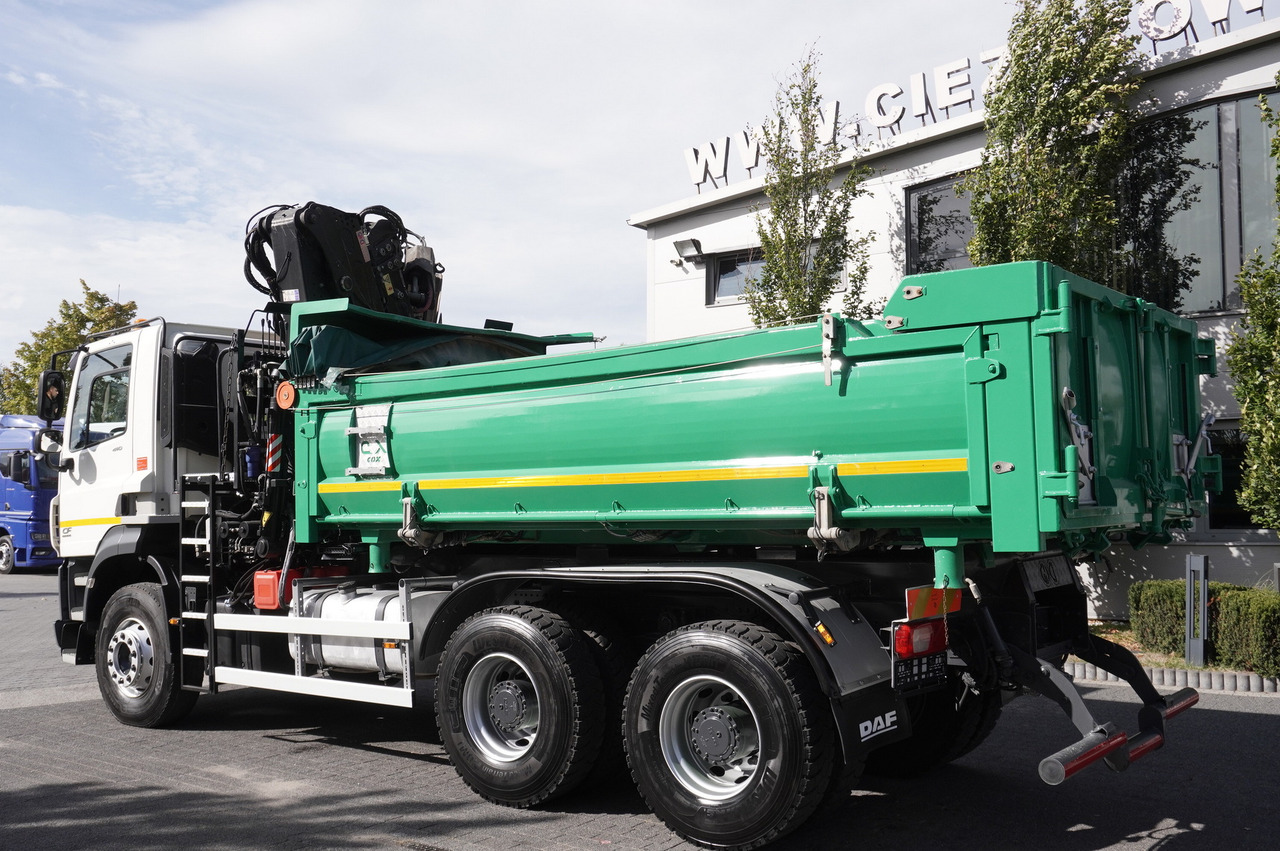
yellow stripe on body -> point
(655, 477)
(715, 474)
(721, 474)
(917, 465)
(358, 487)
(89, 521)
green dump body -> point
(945, 422)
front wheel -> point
(138, 668)
(6, 554)
(728, 737)
(519, 705)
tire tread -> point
(581, 674)
(815, 722)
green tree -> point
(1059, 136)
(1254, 361)
(1155, 186)
(72, 325)
(805, 240)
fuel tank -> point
(364, 605)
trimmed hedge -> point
(1244, 623)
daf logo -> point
(880, 724)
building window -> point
(728, 273)
(1224, 167)
(1258, 210)
(1232, 211)
(1224, 508)
(938, 227)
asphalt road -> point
(255, 770)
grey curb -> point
(1231, 681)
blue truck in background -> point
(28, 482)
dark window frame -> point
(913, 261)
(713, 262)
(1231, 188)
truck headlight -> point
(39, 536)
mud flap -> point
(869, 719)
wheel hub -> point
(130, 658)
(714, 735)
(710, 737)
(500, 708)
(507, 706)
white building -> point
(1209, 61)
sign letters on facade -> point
(951, 85)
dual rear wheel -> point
(726, 733)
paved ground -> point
(251, 770)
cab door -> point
(99, 438)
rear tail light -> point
(919, 638)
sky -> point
(137, 137)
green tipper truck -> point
(751, 565)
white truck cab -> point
(141, 413)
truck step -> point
(195, 651)
(1102, 742)
(363, 692)
(1117, 748)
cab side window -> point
(102, 397)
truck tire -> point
(614, 660)
(728, 737)
(6, 554)
(945, 725)
(519, 705)
(138, 669)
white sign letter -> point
(995, 60)
(710, 162)
(951, 82)
(749, 150)
(1153, 30)
(920, 106)
(825, 131)
(828, 122)
(876, 111)
(1217, 11)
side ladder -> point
(197, 503)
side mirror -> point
(7, 465)
(51, 401)
(19, 468)
(49, 441)
(49, 445)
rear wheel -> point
(6, 554)
(728, 737)
(520, 706)
(138, 667)
(615, 661)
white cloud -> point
(516, 137)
